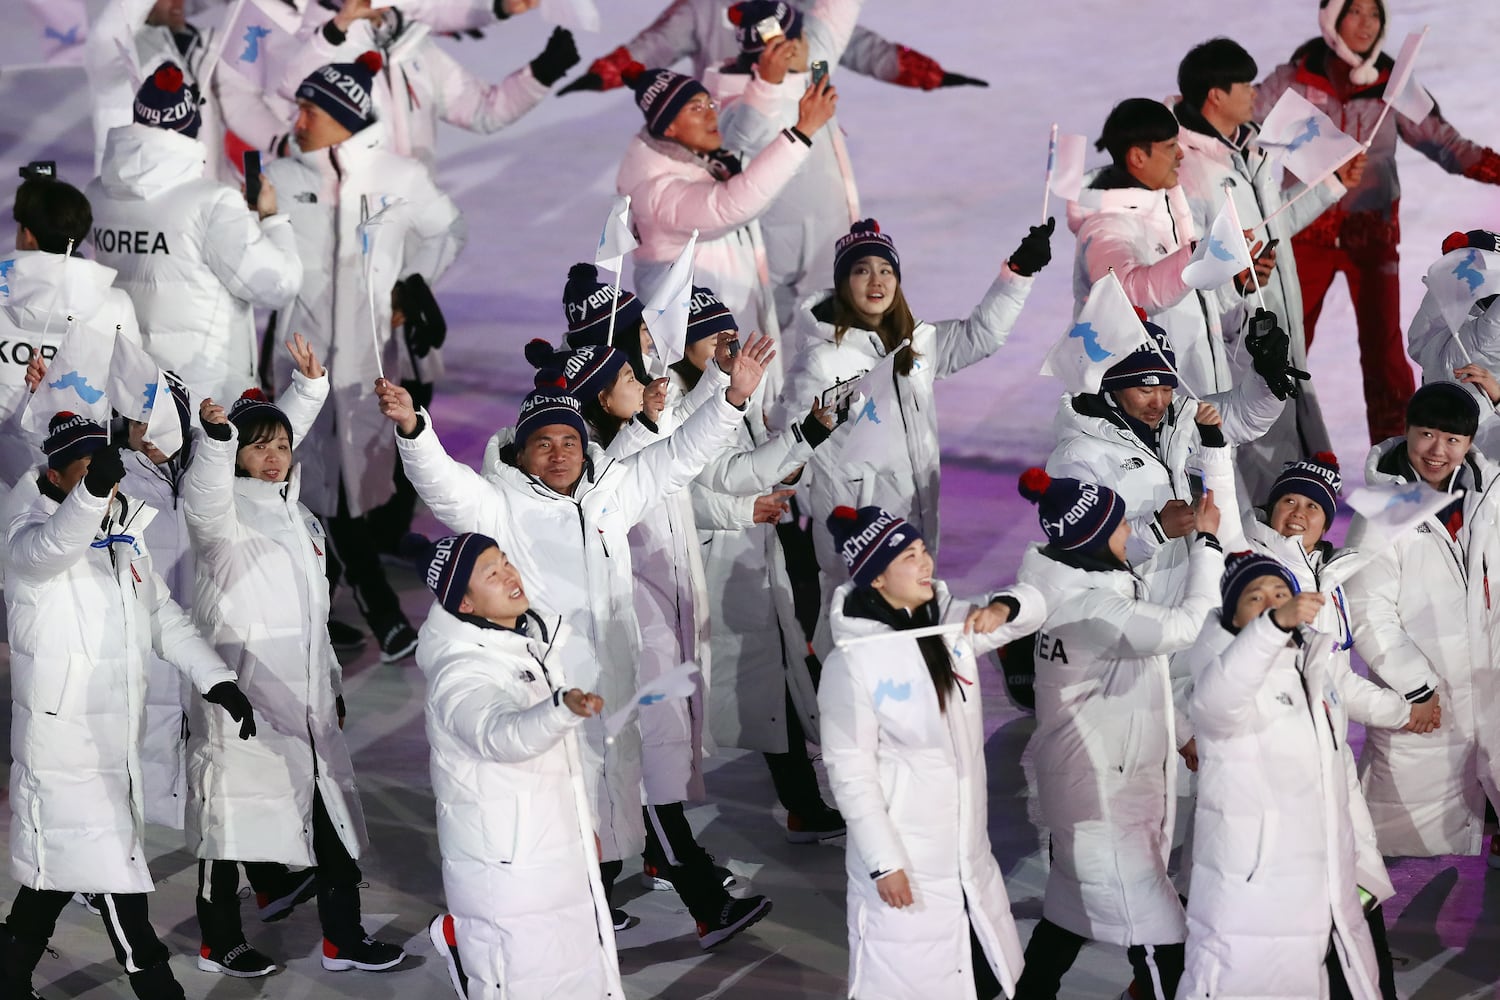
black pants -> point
(33, 919)
(669, 840)
(353, 557)
(1375, 918)
(390, 522)
(337, 875)
(792, 772)
(1052, 951)
(1338, 986)
(986, 985)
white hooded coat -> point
(1275, 858)
(515, 830)
(421, 232)
(262, 598)
(193, 257)
(573, 551)
(82, 617)
(1105, 742)
(909, 778)
(1423, 619)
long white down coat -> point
(1146, 237)
(262, 598)
(817, 206)
(1106, 763)
(1208, 164)
(82, 618)
(192, 256)
(1276, 855)
(1423, 618)
(514, 826)
(672, 607)
(574, 554)
(907, 483)
(759, 651)
(421, 233)
(168, 695)
(909, 779)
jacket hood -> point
(1058, 581)
(1131, 200)
(849, 627)
(1086, 415)
(647, 157)
(1386, 463)
(141, 162)
(451, 631)
(35, 284)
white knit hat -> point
(1364, 72)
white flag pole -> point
(1051, 165)
(1468, 358)
(1387, 101)
(1239, 227)
(368, 241)
(1306, 188)
(205, 73)
(615, 302)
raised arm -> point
(716, 208)
(255, 259)
(962, 342)
(1028, 610)
(470, 102)
(1223, 698)
(208, 486)
(41, 549)
(1441, 143)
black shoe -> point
(663, 877)
(368, 955)
(622, 920)
(345, 637)
(279, 904)
(88, 900)
(445, 942)
(814, 827)
(241, 962)
(737, 915)
(397, 642)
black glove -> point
(557, 58)
(1271, 350)
(227, 695)
(1035, 250)
(424, 325)
(219, 432)
(105, 471)
(959, 80)
(588, 81)
(1212, 435)
(813, 431)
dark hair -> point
(1444, 406)
(689, 374)
(1135, 122)
(628, 340)
(935, 654)
(54, 212)
(1379, 10)
(257, 429)
(603, 425)
(895, 326)
(1217, 64)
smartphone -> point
(1269, 247)
(1195, 487)
(769, 29)
(252, 177)
(734, 347)
(819, 71)
(39, 168)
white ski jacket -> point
(194, 258)
(515, 830)
(909, 779)
(84, 605)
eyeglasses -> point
(701, 107)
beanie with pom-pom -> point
(1316, 478)
(661, 95)
(548, 407)
(868, 539)
(584, 372)
(343, 90)
(747, 16)
(71, 436)
(1242, 569)
(864, 240)
(254, 408)
(588, 302)
(1075, 515)
(1474, 239)
(167, 101)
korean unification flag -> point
(1222, 253)
(616, 240)
(874, 420)
(1392, 509)
(254, 28)
(139, 390)
(678, 683)
(666, 313)
(1106, 330)
(1461, 278)
(77, 380)
(1066, 166)
(1403, 93)
(1310, 145)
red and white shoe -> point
(445, 943)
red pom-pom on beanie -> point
(168, 78)
(1034, 483)
(1327, 458)
(1455, 241)
(254, 394)
(371, 61)
(846, 513)
(736, 15)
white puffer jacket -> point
(1146, 238)
(1423, 620)
(909, 778)
(1106, 760)
(84, 605)
(38, 293)
(1439, 351)
(1275, 859)
(195, 260)
(168, 696)
(1208, 165)
(514, 825)
(817, 206)
(673, 193)
(262, 598)
(907, 484)
(574, 554)
(421, 233)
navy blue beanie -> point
(343, 90)
(868, 539)
(1075, 515)
(1317, 479)
(71, 436)
(584, 372)
(747, 16)
(1242, 569)
(587, 303)
(863, 240)
(661, 94)
(707, 316)
(1144, 367)
(167, 101)
(545, 407)
(450, 563)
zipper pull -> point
(602, 543)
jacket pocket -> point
(1130, 746)
(1265, 843)
(52, 688)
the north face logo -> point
(1132, 463)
